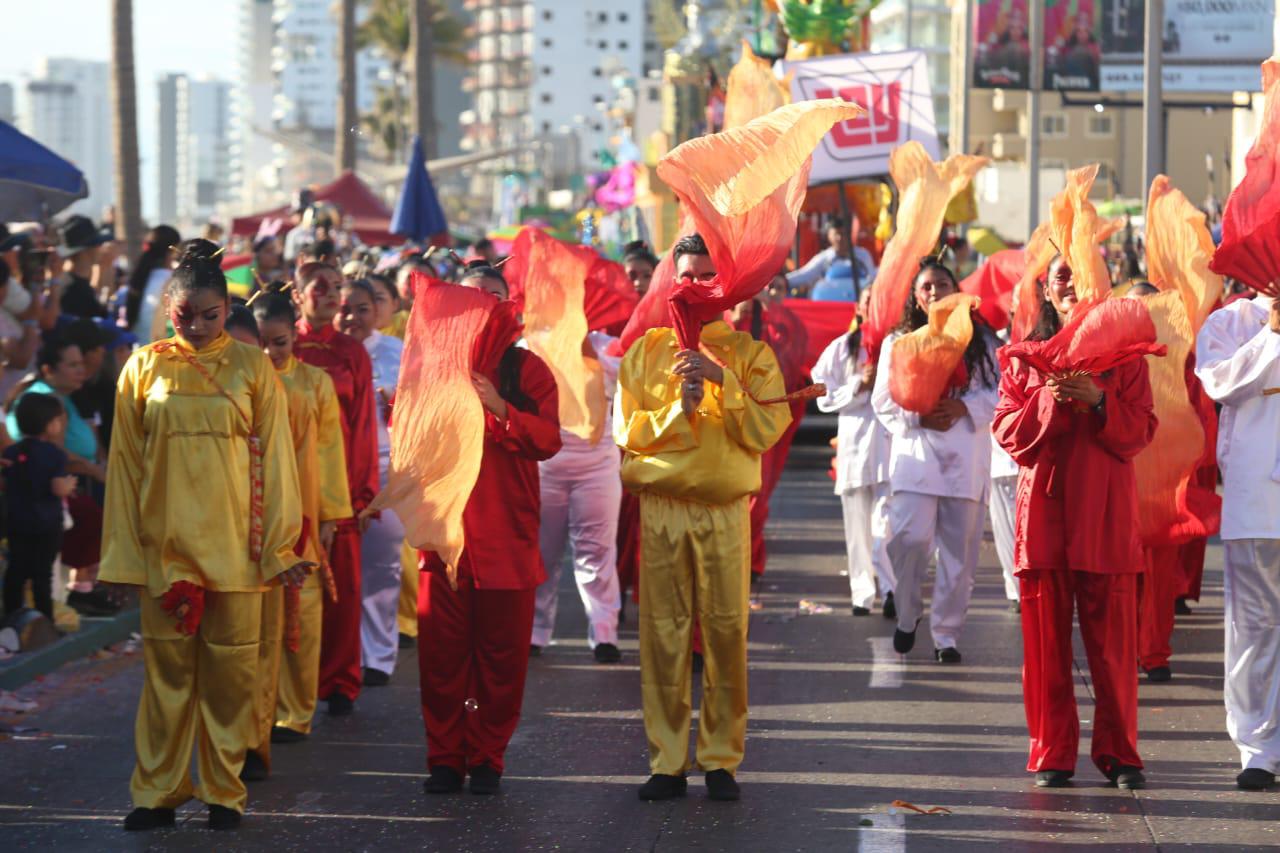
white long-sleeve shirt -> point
(385, 352)
(1237, 360)
(862, 449)
(1002, 464)
(952, 464)
(813, 271)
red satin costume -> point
(347, 363)
(1076, 547)
(473, 642)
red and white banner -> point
(894, 90)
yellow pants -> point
(270, 646)
(695, 559)
(407, 616)
(299, 680)
(199, 692)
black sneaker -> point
(221, 817)
(376, 677)
(861, 611)
(722, 786)
(443, 780)
(1255, 779)
(535, 651)
(606, 653)
(663, 787)
(948, 655)
(407, 642)
(1053, 778)
(1159, 674)
(890, 609)
(1127, 778)
(284, 734)
(1180, 607)
(485, 780)
(904, 641)
(340, 705)
(255, 769)
(92, 604)
(143, 819)
(1015, 606)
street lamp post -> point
(1153, 93)
(1035, 34)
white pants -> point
(1004, 491)
(865, 535)
(581, 496)
(916, 521)
(1251, 588)
(380, 587)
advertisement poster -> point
(1072, 47)
(1002, 51)
(892, 87)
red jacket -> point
(1077, 502)
(504, 511)
(347, 363)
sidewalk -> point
(95, 633)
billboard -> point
(1072, 47)
(893, 88)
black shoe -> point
(948, 655)
(722, 786)
(221, 817)
(284, 734)
(1255, 779)
(1159, 674)
(94, 603)
(255, 769)
(904, 641)
(697, 662)
(376, 677)
(407, 642)
(1015, 606)
(1127, 778)
(340, 705)
(485, 780)
(890, 609)
(663, 787)
(1180, 607)
(443, 780)
(622, 610)
(142, 819)
(1053, 778)
(535, 651)
(606, 653)
(861, 611)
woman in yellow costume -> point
(202, 512)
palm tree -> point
(345, 149)
(124, 96)
(385, 122)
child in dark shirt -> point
(36, 482)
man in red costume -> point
(347, 363)
(473, 641)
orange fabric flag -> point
(923, 363)
(753, 91)
(1179, 250)
(1074, 226)
(924, 190)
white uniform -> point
(862, 469)
(380, 545)
(938, 483)
(1004, 490)
(1238, 361)
(581, 495)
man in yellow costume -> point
(692, 427)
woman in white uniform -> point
(1004, 488)
(939, 476)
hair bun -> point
(198, 251)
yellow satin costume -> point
(178, 509)
(695, 476)
(288, 681)
(407, 610)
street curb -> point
(94, 634)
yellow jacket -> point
(713, 457)
(399, 321)
(178, 477)
(316, 424)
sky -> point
(191, 36)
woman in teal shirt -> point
(61, 373)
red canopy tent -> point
(361, 208)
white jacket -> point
(951, 464)
(862, 453)
(1237, 360)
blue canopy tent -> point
(35, 183)
(418, 215)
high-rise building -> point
(167, 153)
(7, 111)
(920, 25)
(253, 180)
(68, 109)
(193, 162)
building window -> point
(622, 17)
(603, 45)
(655, 94)
(1101, 125)
(596, 72)
(1106, 176)
(622, 45)
(603, 17)
(546, 127)
(546, 71)
(546, 15)
(1053, 125)
(546, 97)
(546, 42)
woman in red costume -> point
(1076, 545)
(473, 641)
(344, 358)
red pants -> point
(340, 670)
(1161, 584)
(473, 653)
(771, 465)
(1191, 556)
(1108, 623)
(629, 545)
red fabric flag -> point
(993, 283)
(1101, 334)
